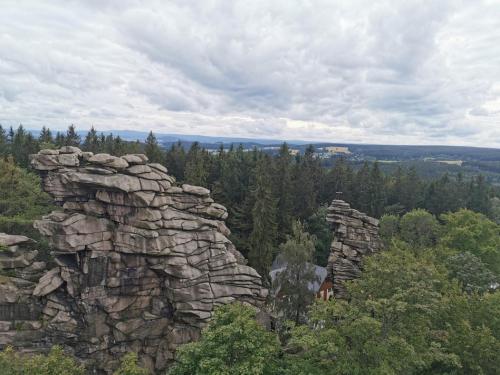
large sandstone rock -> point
(140, 263)
(355, 235)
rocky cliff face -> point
(140, 263)
(355, 236)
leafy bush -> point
(55, 363)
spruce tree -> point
(45, 137)
(263, 236)
(60, 140)
(175, 160)
(282, 188)
(292, 283)
(72, 138)
(153, 150)
(196, 171)
(3, 142)
(91, 142)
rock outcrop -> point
(139, 262)
(355, 235)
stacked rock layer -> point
(140, 262)
(355, 235)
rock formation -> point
(139, 263)
(355, 235)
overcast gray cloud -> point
(384, 71)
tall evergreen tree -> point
(292, 283)
(305, 178)
(282, 190)
(377, 192)
(72, 138)
(175, 160)
(3, 142)
(263, 236)
(91, 142)
(60, 139)
(45, 137)
(197, 168)
(153, 150)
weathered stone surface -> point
(140, 263)
(355, 235)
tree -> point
(468, 231)
(389, 227)
(319, 228)
(91, 142)
(55, 363)
(282, 183)
(175, 160)
(197, 168)
(479, 199)
(72, 138)
(305, 184)
(152, 149)
(21, 199)
(376, 192)
(45, 136)
(419, 228)
(263, 235)
(129, 366)
(3, 142)
(473, 275)
(232, 344)
(292, 283)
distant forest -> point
(266, 193)
(428, 304)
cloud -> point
(344, 71)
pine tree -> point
(91, 142)
(175, 160)
(263, 236)
(3, 142)
(196, 171)
(479, 200)
(153, 150)
(292, 283)
(45, 137)
(283, 183)
(377, 192)
(305, 184)
(60, 140)
(72, 138)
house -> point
(322, 286)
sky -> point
(385, 71)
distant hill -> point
(358, 151)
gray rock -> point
(141, 263)
(355, 235)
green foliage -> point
(21, 195)
(233, 344)
(389, 227)
(197, 166)
(292, 283)
(320, 229)
(129, 366)
(419, 228)
(55, 363)
(263, 236)
(404, 317)
(471, 272)
(153, 150)
(467, 231)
